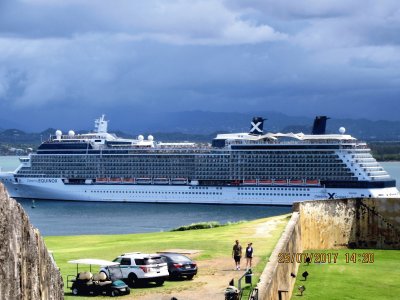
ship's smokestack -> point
(319, 125)
(256, 127)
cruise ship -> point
(255, 167)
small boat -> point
(101, 180)
(128, 180)
(265, 182)
(161, 181)
(280, 181)
(179, 181)
(249, 182)
(296, 181)
(312, 182)
(115, 180)
(143, 180)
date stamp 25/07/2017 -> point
(322, 257)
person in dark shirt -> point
(249, 255)
(237, 254)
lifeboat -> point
(161, 181)
(280, 181)
(296, 181)
(143, 180)
(115, 180)
(312, 182)
(265, 182)
(128, 180)
(249, 182)
(101, 180)
(179, 181)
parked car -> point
(180, 265)
(138, 268)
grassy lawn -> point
(214, 243)
(349, 280)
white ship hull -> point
(56, 189)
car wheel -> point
(128, 291)
(133, 280)
(190, 277)
(114, 293)
(159, 282)
(75, 291)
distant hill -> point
(205, 123)
(202, 126)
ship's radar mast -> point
(101, 125)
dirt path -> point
(214, 275)
(211, 282)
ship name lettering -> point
(47, 180)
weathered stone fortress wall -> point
(275, 281)
(330, 224)
(350, 223)
(26, 268)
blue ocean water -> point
(76, 218)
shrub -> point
(204, 225)
(201, 225)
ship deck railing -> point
(358, 144)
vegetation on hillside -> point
(385, 151)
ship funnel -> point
(319, 125)
(256, 127)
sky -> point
(68, 61)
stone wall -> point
(330, 224)
(276, 281)
(26, 268)
(350, 223)
(389, 209)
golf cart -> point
(86, 283)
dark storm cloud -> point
(77, 59)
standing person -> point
(249, 255)
(237, 254)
